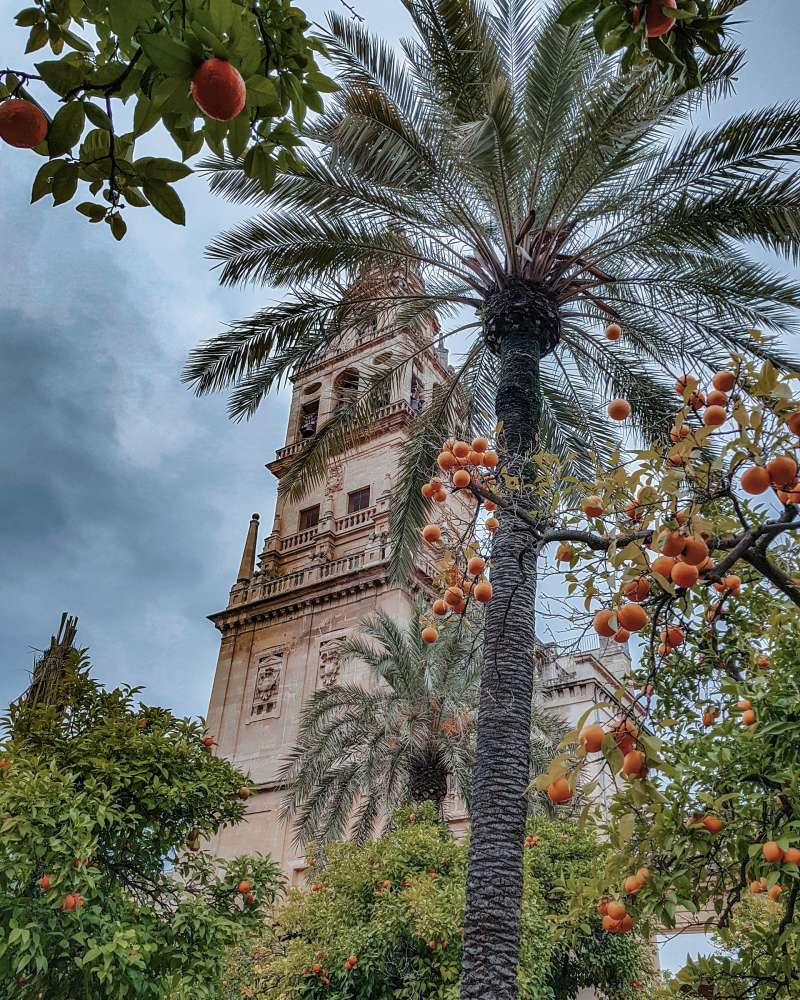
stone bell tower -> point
(322, 569)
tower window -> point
(358, 500)
(308, 419)
(345, 389)
(309, 518)
(417, 395)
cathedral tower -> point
(323, 568)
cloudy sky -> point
(124, 499)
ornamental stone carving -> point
(267, 688)
(329, 662)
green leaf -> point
(576, 10)
(170, 56)
(37, 39)
(61, 75)
(118, 227)
(238, 136)
(262, 93)
(28, 17)
(41, 183)
(145, 116)
(127, 15)
(65, 183)
(92, 211)
(259, 165)
(156, 168)
(66, 128)
(165, 200)
(324, 84)
(97, 116)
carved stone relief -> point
(266, 692)
(329, 662)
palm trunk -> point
(502, 764)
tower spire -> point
(248, 563)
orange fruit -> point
(613, 331)
(685, 576)
(432, 533)
(476, 565)
(461, 449)
(791, 856)
(757, 887)
(695, 552)
(453, 596)
(490, 459)
(244, 792)
(685, 383)
(710, 716)
(724, 381)
(440, 496)
(715, 416)
(633, 764)
(632, 616)
(790, 495)
(600, 623)
(637, 590)
(602, 907)
(632, 884)
(732, 583)
(793, 423)
(559, 791)
(616, 910)
(748, 717)
(644, 874)
(592, 506)
(663, 566)
(429, 635)
(782, 470)
(673, 636)
(446, 460)
(491, 524)
(489, 505)
(591, 738)
(678, 434)
(755, 480)
(713, 824)
(657, 23)
(461, 479)
(673, 544)
(621, 635)
(474, 458)
(480, 444)
(771, 852)
(563, 553)
(427, 490)
(482, 592)
(775, 892)
(717, 398)
(743, 705)
(619, 409)
(22, 124)
(218, 90)
(440, 607)
(625, 734)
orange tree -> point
(384, 921)
(235, 75)
(693, 547)
(105, 890)
(669, 31)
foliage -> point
(618, 25)
(108, 53)
(407, 736)
(396, 905)
(104, 890)
(503, 152)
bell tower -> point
(322, 569)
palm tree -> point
(363, 752)
(513, 171)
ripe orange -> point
(45, 883)
(713, 824)
(775, 892)
(632, 884)
(762, 662)
(696, 551)
(685, 576)
(632, 616)
(461, 449)
(446, 460)
(480, 444)
(440, 607)
(782, 470)
(592, 506)
(724, 381)
(208, 740)
(600, 623)
(732, 583)
(559, 791)
(432, 533)
(73, 901)
(476, 565)
(427, 490)
(482, 592)
(619, 409)
(673, 636)
(453, 596)
(621, 635)
(461, 479)
(440, 496)
(616, 910)
(678, 434)
(613, 331)
(22, 124)
(673, 544)
(715, 416)
(717, 398)
(563, 553)
(244, 792)
(743, 705)
(491, 524)
(644, 874)
(755, 480)
(602, 907)
(663, 566)
(710, 716)
(245, 887)
(625, 734)
(474, 458)
(591, 738)
(791, 856)
(633, 764)
(794, 423)
(772, 852)
(748, 717)
(489, 505)
(758, 886)
(490, 459)
(685, 383)
(218, 89)
(429, 635)
(790, 495)
(657, 23)
(637, 590)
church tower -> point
(323, 568)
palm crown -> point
(501, 154)
(361, 753)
